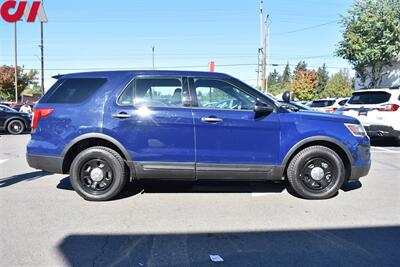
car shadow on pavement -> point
(4, 182)
(369, 246)
(156, 186)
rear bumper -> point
(359, 171)
(381, 131)
(48, 164)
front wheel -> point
(316, 172)
(98, 173)
(15, 127)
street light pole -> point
(15, 63)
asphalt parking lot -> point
(45, 223)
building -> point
(390, 78)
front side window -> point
(217, 94)
(154, 92)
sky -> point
(187, 35)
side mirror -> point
(286, 97)
(262, 108)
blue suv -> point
(107, 128)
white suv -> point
(329, 105)
(378, 110)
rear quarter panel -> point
(69, 121)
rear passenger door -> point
(152, 118)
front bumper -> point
(45, 163)
(359, 171)
(381, 131)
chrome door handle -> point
(121, 115)
(211, 119)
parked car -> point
(378, 110)
(329, 105)
(13, 121)
(107, 128)
(295, 105)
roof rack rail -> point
(58, 76)
(394, 87)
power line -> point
(307, 28)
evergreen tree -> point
(323, 77)
(286, 77)
(301, 66)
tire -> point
(98, 174)
(15, 127)
(316, 172)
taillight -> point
(330, 110)
(389, 107)
(39, 113)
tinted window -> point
(322, 103)
(159, 92)
(369, 98)
(74, 90)
(216, 94)
(343, 102)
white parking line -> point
(3, 160)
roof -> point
(202, 74)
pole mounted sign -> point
(22, 8)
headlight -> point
(356, 129)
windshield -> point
(369, 98)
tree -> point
(371, 38)
(286, 76)
(340, 84)
(7, 79)
(304, 84)
(274, 78)
(301, 66)
(323, 77)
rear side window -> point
(369, 98)
(322, 103)
(154, 92)
(74, 90)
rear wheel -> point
(15, 127)
(98, 173)
(316, 172)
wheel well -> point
(84, 144)
(342, 154)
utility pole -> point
(15, 63)
(260, 50)
(264, 58)
(152, 49)
(42, 55)
(266, 54)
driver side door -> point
(231, 141)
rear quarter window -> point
(369, 98)
(73, 90)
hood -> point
(322, 116)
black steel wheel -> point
(15, 127)
(98, 173)
(317, 172)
